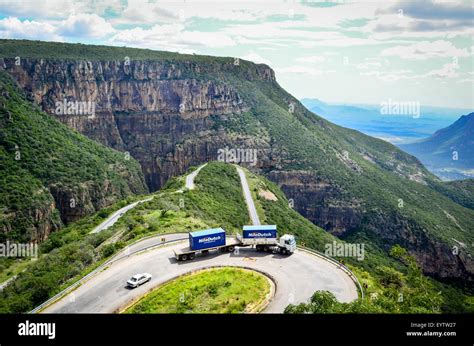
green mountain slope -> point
(396, 198)
(50, 174)
(352, 185)
(460, 191)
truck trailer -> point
(205, 241)
(263, 237)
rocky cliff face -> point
(320, 201)
(143, 108)
(50, 174)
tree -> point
(390, 277)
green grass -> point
(216, 201)
(219, 290)
(10, 267)
(219, 196)
(256, 185)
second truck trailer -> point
(263, 237)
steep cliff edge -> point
(50, 174)
(145, 108)
(170, 111)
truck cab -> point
(264, 238)
(288, 242)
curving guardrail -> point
(340, 265)
(112, 260)
(121, 255)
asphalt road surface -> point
(248, 197)
(190, 177)
(112, 219)
(296, 277)
(116, 215)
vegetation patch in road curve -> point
(216, 290)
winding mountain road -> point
(296, 277)
(112, 219)
(248, 197)
(190, 177)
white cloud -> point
(312, 34)
(14, 28)
(145, 12)
(314, 59)
(85, 25)
(466, 80)
(389, 76)
(256, 58)
(447, 71)
(172, 37)
(206, 39)
(388, 23)
(31, 8)
(368, 64)
(426, 50)
(296, 69)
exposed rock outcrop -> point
(143, 108)
(320, 201)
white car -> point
(138, 279)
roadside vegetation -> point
(218, 290)
(392, 284)
(375, 173)
(391, 291)
(66, 256)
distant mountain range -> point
(433, 137)
(396, 129)
(448, 152)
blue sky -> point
(339, 51)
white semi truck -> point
(263, 237)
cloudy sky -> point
(337, 51)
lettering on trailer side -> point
(209, 239)
(260, 234)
